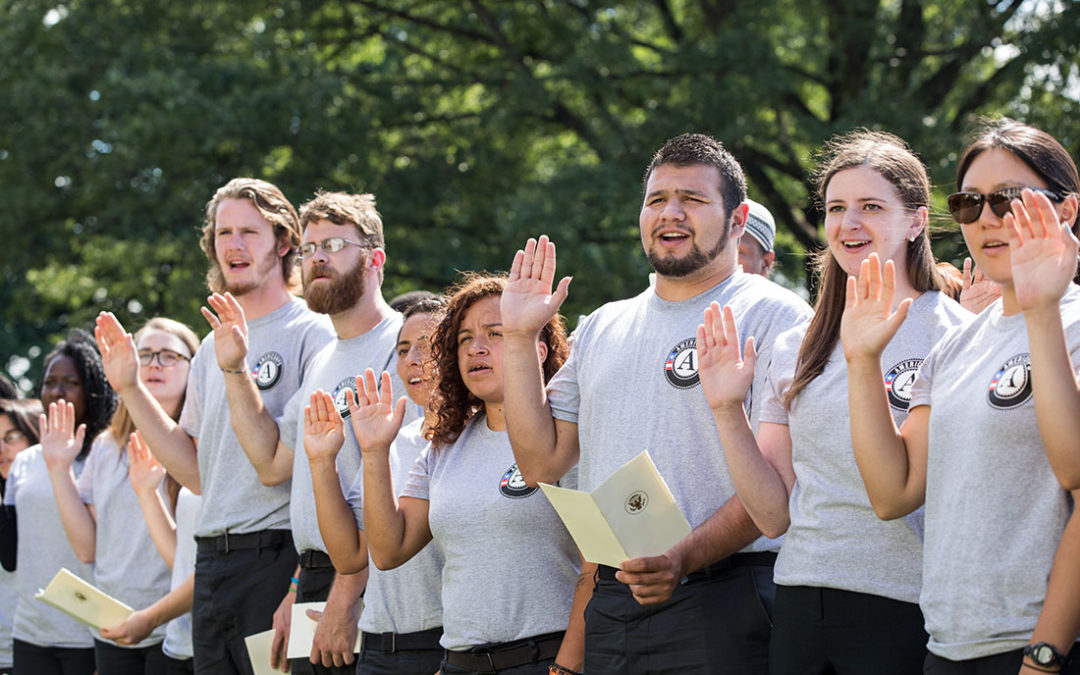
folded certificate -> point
(82, 602)
(630, 515)
(258, 649)
(302, 629)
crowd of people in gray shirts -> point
(881, 484)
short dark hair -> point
(691, 149)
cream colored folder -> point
(302, 629)
(83, 602)
(258, 649)
(630, 515)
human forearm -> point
(168, 442)
(257, 430)
(532, 430)
(761, 488)
(176, 602)
(79, 524)
(1059, 620)
(159, 523)
(344, 540)
(572, 650)
(1056, 395)
(727, 531)
(396, 530)
(895, 485)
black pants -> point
(31, 659)
(716, 625)
(539, 668)
(314, 586)
(406, 662)
(179, 666)
(1007, 663)
(236, 595)
(114, 660)
(825, 631)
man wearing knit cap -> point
(756, 253)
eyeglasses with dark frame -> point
(166, 357)
(965, 207)
(331, 245)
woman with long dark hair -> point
(47, 641)
(99, 509)
(847, 584)
(1000, 581)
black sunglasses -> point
(965, 207)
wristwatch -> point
(1044, 654)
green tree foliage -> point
(475, 123)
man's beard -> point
(263, 269)
(342, 292)
(671, 266)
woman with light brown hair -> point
(847, 583)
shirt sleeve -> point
(419, 485)
(924, 379)
(563, 392)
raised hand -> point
(868, 322)
(527, 301)
(60, 441)
(230, 330)
(324, 430)
(977, 291)
(118, 353)
(725, 375)
(144, 471)
(376, 419)
(1042, 254)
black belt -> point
(237, 542)
(493, 658)
(314, 558)
(424, 640)
(761, 558)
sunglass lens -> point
(965, 206)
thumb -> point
(80, 434)
(899, 315)
(399, 411)
(561, 291)
(750, 354)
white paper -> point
(302, 630)
(83, 602)
(632, 514)
(258, 649)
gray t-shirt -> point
(631, 384)
(177, 643)
(8, 597)
(43, 550)
(405, 599)
(994, 510)
(509, 565)
(280, 345)
(835, 539)
(334, 370)
(126, 563)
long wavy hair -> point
(452, 401)
(891, 157)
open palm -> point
(527, 301)
(60, 441)
(725, 375)
(324, 430)
(376, 419)
(868, 322)
(1042, 252)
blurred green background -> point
(475, 123)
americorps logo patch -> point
(898, 382)
(513, 485)
(1011, 384)
(267, 370)
(681, 366)
(348, 384)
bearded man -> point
(245, 553)
(342, 256)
